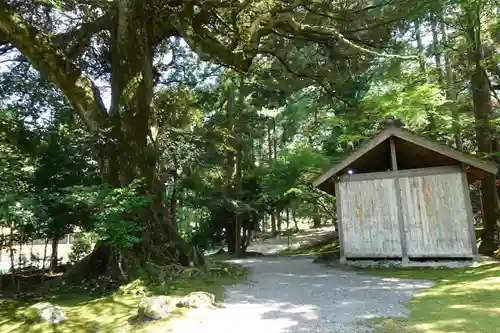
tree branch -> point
(206, 45)
(47, 57)
(288, 23)
(76, 40)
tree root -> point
(124, 265)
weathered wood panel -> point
(370, 219)
(435, 216)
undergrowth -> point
(95, 308)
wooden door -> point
(369, 218)
(435, 216)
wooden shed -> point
(402, 196)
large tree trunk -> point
(483, 111)
(131, 152)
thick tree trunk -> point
(483, 111)
(131, 152)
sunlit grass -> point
(463, 300)
(113, 313)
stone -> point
(199, 299)
(45, 311)
(161, 307)
(157, 307)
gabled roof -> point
(411, 138)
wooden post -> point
(470, 216)
(394, 160)
(340, 233)
(399, 203)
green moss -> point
(463, 300)
(88, 313)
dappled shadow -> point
(91, 311)
(465, 300)
(292, 295)
(86, 314)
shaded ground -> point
(295, 295)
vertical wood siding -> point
(370, 218)
(435, 216)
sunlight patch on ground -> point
(463, 300)
(250, 318)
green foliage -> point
(115, 212)
(81, 247)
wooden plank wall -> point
(435, 216)
(370, 219)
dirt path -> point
(274, 245)
(294, 295)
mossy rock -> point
(199, 299)
(43, 311)
(162, 307)
(157, 307)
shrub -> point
(82, 246)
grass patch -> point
(463, 300)
(116, 312)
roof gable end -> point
(411, 138)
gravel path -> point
(287, 295)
